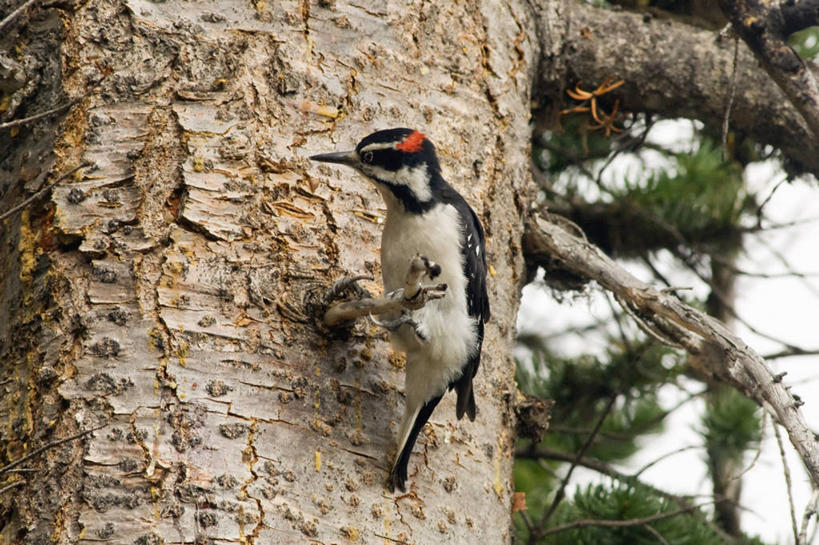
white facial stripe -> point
(416, 179)
(377, 146)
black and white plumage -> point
(426, 216)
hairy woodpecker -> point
(426, 216)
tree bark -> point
(163, 291)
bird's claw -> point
(348, 284)
(405, 318)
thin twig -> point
(620, 327)
(13, 15)
(730, 104)
(791, 352)
(527, 520)
(561, 492)
(784, 262)
(663, 457)
(758, 448)
(10, 486)
(542, 453)
(47, 446)
(725, 301)
(786, 470)
(656, 534)
(35, 117)
(767, 199)
(45, 188)
(787, 274)
(810, 511)
(616, 523)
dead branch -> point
(9, 486)
(14, 14)
(716, 351)
(41, 115)
(42, 191)
(539, 531)
(788, 483)
(47, 446)
(650, 52)
(412, 296)
(762, 26)
(810, 511)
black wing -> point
(473, 248)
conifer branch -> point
(582, 523)
(716, 351)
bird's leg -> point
(413, 296)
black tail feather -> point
(466, 397)
(398, 473)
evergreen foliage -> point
(693, 205)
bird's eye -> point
(368, 158)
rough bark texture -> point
(763, 27)
(676, 70)
(163, 292)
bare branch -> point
(790, 352)
(561, 492)
(656, 534)
(656, 57)
(758, 452)
(48, 446)
(716, 351)
(788, 483)
(14, 14)
(35, 117)
(761, 25)
(412, 296)
(9, 486)
(662, 457)
(42, 191)
(810, 511)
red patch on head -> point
(411, 143)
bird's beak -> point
(349, 158)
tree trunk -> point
(162, 292)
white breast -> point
(450, 331)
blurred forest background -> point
(693, 210)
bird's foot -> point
(405, 318)
(348, 285)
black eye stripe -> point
(391, 159)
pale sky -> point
(786, 308)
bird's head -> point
(402, 161)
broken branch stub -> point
(412, 296)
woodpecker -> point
(426, 216)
